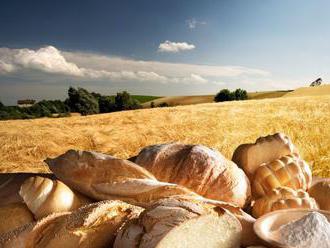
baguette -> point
(266, 149)
(198, 168)
(103, 177)
(91, 226)
(289, 171)
(283, 198)
(44, 196)
(171, 223)
(320, 191)
(13, 216)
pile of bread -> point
(169, 195)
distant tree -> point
(1, 105)
(80, 100)
(240, 94)
(107, 104)
(224, 95)
(152, 105)
(163, 104)
(124, 101)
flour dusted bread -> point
(289, 171)
(198, 168)
(13, 216)
(44, 196)
(320, 191)
(172, 223)
(104, 177)
(283, 198)
(91, 226)
(266, 149)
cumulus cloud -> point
(89, 66)
(174, 47)
(193, 23)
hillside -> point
(26, 143)
(321, 90)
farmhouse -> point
(25, 103)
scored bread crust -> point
(265, 149)
(198, 168)
(283, 198)
(13, 216)
(93, 225)
(289, 171)
(320, 191)
(104, 177)
(159, 223)
(44, 196)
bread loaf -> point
(44, 196)
(104, 177)
(198, 168)
(13, 216)
(91, 226)
(283, 198)
(10, 184)
(266, 149)
(320, 191)
(289, 171)
(171, 223)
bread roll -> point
(175, 223)
(283, 198)
(10, 184)
(91, 226)
(289, 171)
(266, 149)
(104, 177)
(320, 191)
(198, 168)
(44, 196)
(13, 216)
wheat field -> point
(26, 143)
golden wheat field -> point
(26, 143)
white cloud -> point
(174, 47)
(95, 67)
(193, 23)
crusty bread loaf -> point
(266, 149)
(13, 216)
(320, 191)
(289, 171)
(104, 177)
(44, 196)
(198, 168)
(171, 223)
(10, 184)
(283, 198)
(91, 226)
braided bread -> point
(283, 198)
(289, 171)
(199, 168)
(266, 149)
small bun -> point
(321, 192)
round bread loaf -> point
(198, 168)
(289, 171)
(44, 196)
(266, 149)
(172, 223)
(320, 191)
(13, 216)
(283, 198)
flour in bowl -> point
(311, 231)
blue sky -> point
(160, 47)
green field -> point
(143, 99)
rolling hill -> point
(321, 90)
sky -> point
(162, 48)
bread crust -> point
(320, 191)
(283, 198)
(198, 168)
(289, 171)
(265, 149)
(103, 177)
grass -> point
(143, 99)
(26, 143)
